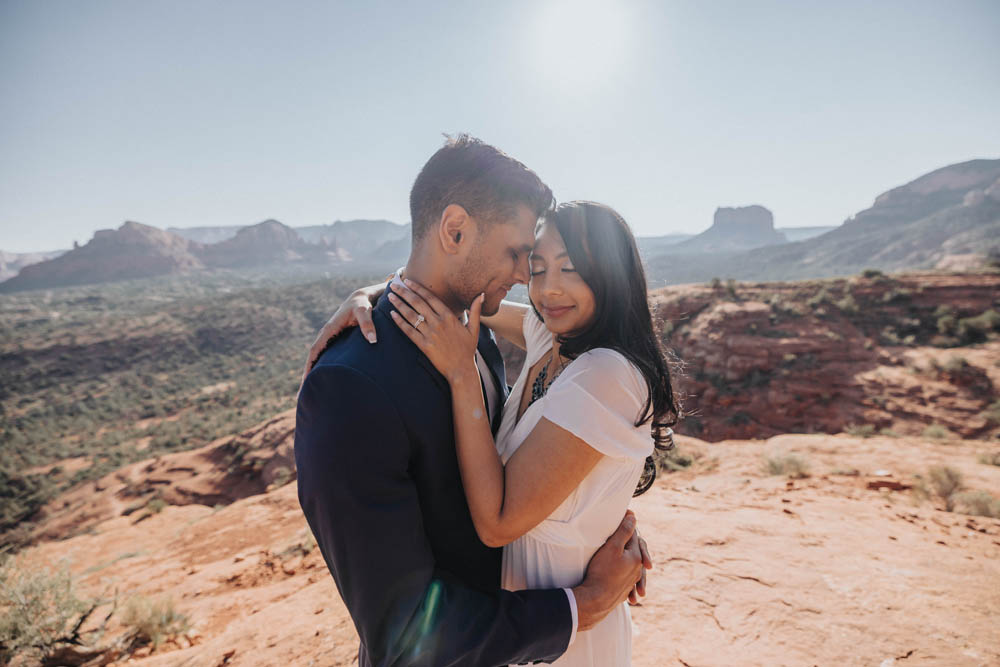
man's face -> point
(498, 260)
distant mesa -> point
(206, 235)
(133, 250)
(734, 229)
(266, 242)
(350, 240)
(360, 239)
(946, 219)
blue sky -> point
(222, 113)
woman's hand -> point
(355, 311)
(449, 344)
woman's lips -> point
(556, 311)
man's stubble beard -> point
(469, 282)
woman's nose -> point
(552, 284)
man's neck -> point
(423, 270)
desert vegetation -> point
(45, 620)
(93, 378)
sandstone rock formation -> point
(761, 359)
(750, 569)
(134, 250)
(734, 229)
(268, 242)
(925, 224)
(235, 467)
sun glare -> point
(581, 42)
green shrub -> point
(955, 364)
(282, 475)
(156, 505)
(847, 304)
(946, 324)
(976, 329)
(872, 273)
(937, 432)
(861, 431)
(39, 612)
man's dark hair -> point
(603, 251)
(480, 178)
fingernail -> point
(406, 281)
(371, 338)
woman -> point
(575, 437)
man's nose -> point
(522, 272)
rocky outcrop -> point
(949, 218)
(735, 229)
(134, 250)
(762, 359)
(359, 239)
(351, 239)
(140, 251)
(267, 242)
(750, 569)
(226, 470)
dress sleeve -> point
(598, 398)
(536, 336)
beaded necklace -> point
(539, 387)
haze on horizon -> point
(228, 113)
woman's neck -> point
(555, 346)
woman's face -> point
(557, 290)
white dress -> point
(597, 397)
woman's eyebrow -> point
(532, 256)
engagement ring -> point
(420, 319)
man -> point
(378, 475)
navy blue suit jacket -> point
(379, 483)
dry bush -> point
(675, 460)
(990, 458)
(979, 503)
(992, 413)
(945, 482)
(792, 465)
(937, 432)
(152, 621)
(861, 430)
(41, 615)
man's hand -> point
(647, 564)
(611, 575)
(355, 311)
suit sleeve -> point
(352, 453)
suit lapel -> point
(491, 355)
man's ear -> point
(454, 229)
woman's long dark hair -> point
(604, 253)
